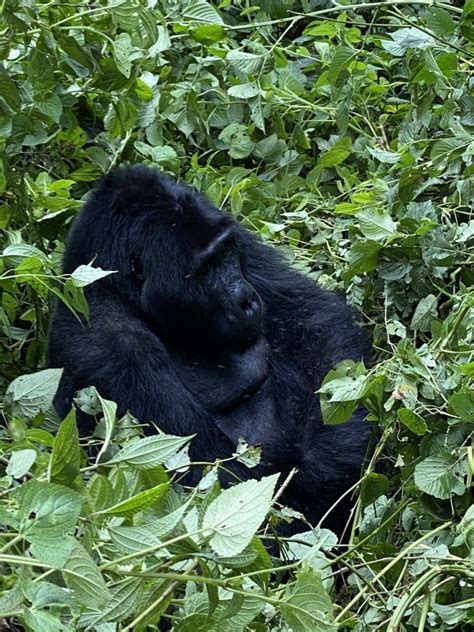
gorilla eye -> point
(136, 267)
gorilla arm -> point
(127, 363)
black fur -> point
(204, 329)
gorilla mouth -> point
(229, 405)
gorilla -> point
(207, 331)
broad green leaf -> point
(122, 53)
(340, 150)
(151, 451)
(425, 312)
(202, 11)
(87, 274)
(462, 402)
(345, 389)
(20, 462)
(50, 105)
(307, 605)
(244, 90)
(439, 476)
(133, 539)
(407, 38)
(233, 518)
(372, 487)
(137, 502)
(47, 511)
(31, 394)
(122, 603)
(388, 157)
(245, 63)
(340, 60)
(66, 455)
(413, 421)
(376, 226)
(82, 575)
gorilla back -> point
(203, 329)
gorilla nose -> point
(249, 303)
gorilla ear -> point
(136, 268)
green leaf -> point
(202, 11)
(122, 53)
(307, 605)
(462, 402)
(66, 455)
(375, 225)
(425, 312)
(234, 516)
(345, 389)
(412, 421)
(47, 511)
(133, 539)
(439, 476)
(87, 274)
(337, 154)
(20, 462)
(137, 502)
(372, 487)
(440, 21)
(122, 602)
(340, 60)
(31, 394)
(84, 578)
(50, 105)
(245, 63)
(363, 257)
(406, 38)
(151, 451)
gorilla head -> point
(178, 259)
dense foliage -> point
(344, 135)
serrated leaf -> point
(340, 60)
(202, 11)
(122, 53)
(413, 421)
(149, 452)
(133, 539)
(87, 274)
(82, 575)
(235, 515)
(122, 603)
(31, 394)
(425, 312)
(339, 151)
(50, 105)
(245, 63)
(137, 502)
(20, 462)
(66, 454)
(375, 225)
(345, 389)
(47, 511)
(307, 605)
(373, 486)
(439, 476)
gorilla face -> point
(192, 288)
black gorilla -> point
(205, 330)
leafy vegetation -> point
(342, 133)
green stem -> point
(417, 587)
(8, 545)
(384, 570)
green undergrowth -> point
(343, 134)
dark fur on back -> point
(308, 331)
